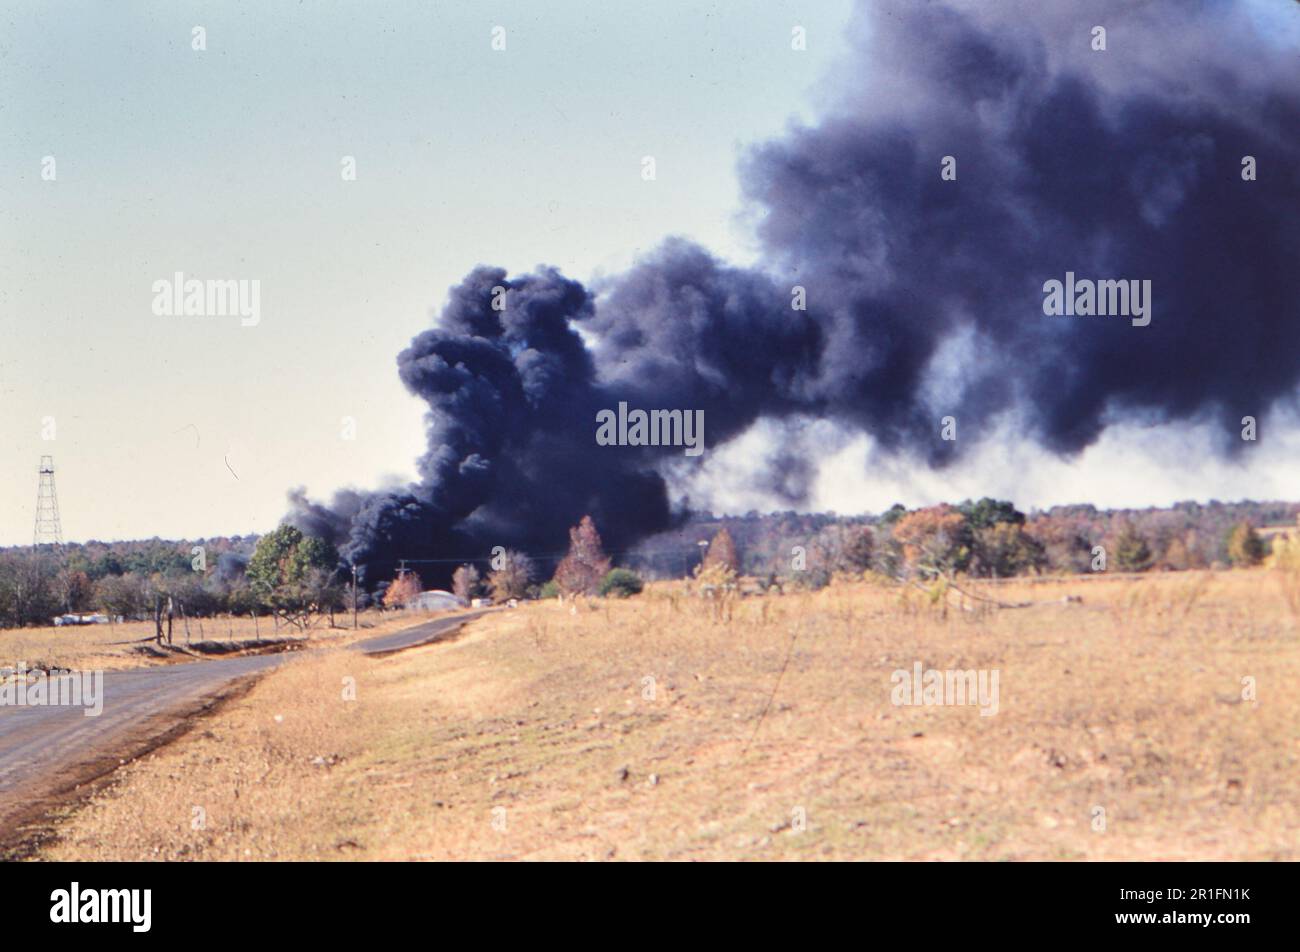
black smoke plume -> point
(924, 296)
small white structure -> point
(74, 619)
(435, 600)
(480, 602)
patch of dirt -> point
(196, 650)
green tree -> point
(242, 599)
(1245, 547)
(281, 571)
(989, 512)
(27, 588)
(1003, 549)
(620, 583)
(1132, 553)
(120, 595)
(893, 514)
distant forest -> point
(998, 539)
(986, 538)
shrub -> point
(1245, 547)
(813, 579)
(620, 583)
(1132, 553)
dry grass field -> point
(131, 645)
(536, 735)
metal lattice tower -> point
(48, 529)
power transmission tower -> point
(48, 529)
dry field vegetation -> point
(131, 645)
(537, 719)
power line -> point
(539, 556)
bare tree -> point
(465, 582)
(512, 578)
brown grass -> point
(530, 737)
(118, 646)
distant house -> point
(435, 600)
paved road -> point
(46, 749)
(411, 637)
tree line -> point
(988, 538)
(282, 574)
(293, 577)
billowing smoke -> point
(924, 294)
(231, 567)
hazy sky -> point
(225, 163)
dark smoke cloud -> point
(1117, 164)
(231, 566)
(333, 523)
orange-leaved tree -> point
(935, 540)
(722, 552)
(580, 572)
(402, 589)
(510, 576)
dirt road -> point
(47, 752)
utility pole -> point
(354, 596)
